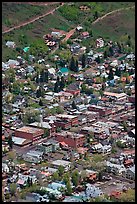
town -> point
(68, 119)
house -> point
(116, 96)
(82, 107)
(93, 191)
(79, 28)
(51, 72)
(73, 119)
(63, 71)
(115, 168)
(46, 147)
(74, 88)
(130, 173)
(33, 156)
(63, 96)
(99, 43)
(10, 44)
(5, 168)
(131, 133)
(56, 186)
(65, 164)
(91, 176)
(71, 139)
(85, 35)
(57, 194)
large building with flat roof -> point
(29, 133)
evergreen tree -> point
(62, 83)
(28, 181)
(56, 87)
(74, 105)
(118, 72)
(96, 15)
(76, 69)
(83, 61)
(111, 53)
(105, 54)
(69, 188)
(72, 64)
(61, 170)
(111, 76)
(98, 59)
(40, 102)
(75, 178)
(38, 93)
(119, 48)
(46, 77)
(10, 142)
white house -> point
(93, 191)
(10, 44)
(130, 174)
(100, 42)
(5, 168)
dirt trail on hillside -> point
(112, 12)
(31, 21)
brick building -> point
(71, 139)
(30, 133)
(103, 111)
(66, 121)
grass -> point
(13, 14)
(116, 25)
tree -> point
(76, 68)
(69, 188)
(75, 177)
(111, 52)
(110, 75)
(10, 74)
(13, 188)
(40, 102)
(125, 126)
(128, 196)
(66, 178)
(72, 64)
(62, 83)
(38, 92)
(83, 61)
(46, 76)
(56, 87)
(59, 110)
(98, 60)
(74, 105)
(11, 155)
(55, 176)
(105, 54)
(96, 15)
(61, 170)
(10, 142)
(28, 181)
(118, 72)
(100, 175)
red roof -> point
(63, 144)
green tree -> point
(118, 72)
(74, 105)
(40, 102)
(56, 87)
(110, 75)
(62, 83)
(83, 61)
(10, 142)
(66, 178)
(98, 60)
(55, 176)
(75, 178)
(105, 54)
(69, 188)
(128, 196)
(11, 155)
(10, 74)
(72, 64)
(13, 188)
(61, 170)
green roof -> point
(64, 69)
(25, 49)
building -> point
(21, 141)
(65, 164)
(72, 119)
(31, 133)
(116, 96)
(33, 156)
(50, 146)
(130, 174)
(71, 139)
(103, 111)
(100, 42)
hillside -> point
(65, 18)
